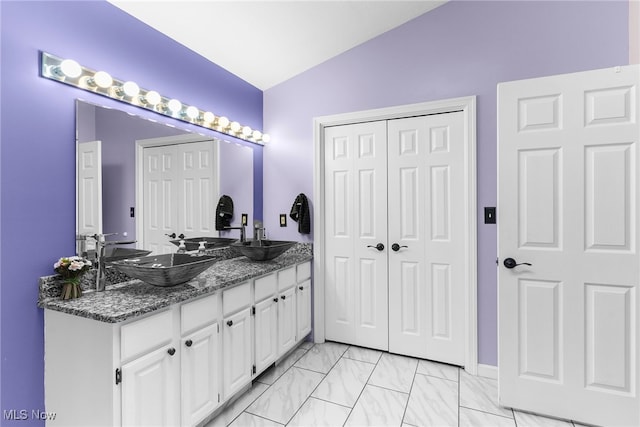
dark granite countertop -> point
(126, 300)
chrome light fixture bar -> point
(70, 72)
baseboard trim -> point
(488, 371)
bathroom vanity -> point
(137, 355)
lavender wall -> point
(459, 49)
(37, 151)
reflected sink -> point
(193, 243)
(114, 253)
(262, 250)
(167, 269)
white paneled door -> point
(426, 237)
(394, 236)
(568, 220)
(89, 190)
(356, 223)
(180, 193)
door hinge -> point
(118, 376)
(253, 310)
(254, 369)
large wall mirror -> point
(118, 151)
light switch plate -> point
(283, 220)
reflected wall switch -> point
(283, 220)
(132, 212)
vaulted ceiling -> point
(266, 42)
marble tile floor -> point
(334, 384)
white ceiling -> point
(266, 42)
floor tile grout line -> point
(264, 418)
(435, 376)
(413, 380)
(269, 385)
(487, 412)
(318, 385)
(245, 408)
(459, 379)
(362, 391)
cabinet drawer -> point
(265, 287)
(198, 313)
(304, 271)
(286, 278)
(143, 335)
(236, 298)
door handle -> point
(188, 343)
(379, 247)
(511, 263)
(396, 247)
(230, 323)
(171, 351)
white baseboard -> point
(488, 371)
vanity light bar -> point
(70, 72)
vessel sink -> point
(262, 250)
(193, 243)
(113, 253)
(165, 270)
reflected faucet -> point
(101, 244)
(242, 232)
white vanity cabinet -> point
(265, 321)
(178, 365)
(236, 338)
(151, 367)
(303, 299)
(200, 361)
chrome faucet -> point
(259, 232)
(101, 244)
(242, 232)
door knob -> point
(379, 246)
(396, 247)
(188, 343)
(230, 323)
(171, 351)
(511, 263)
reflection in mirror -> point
(115, 193)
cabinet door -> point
(303, 302)
(286, 320)
(200, 374)
(150, 395)
(237, 351)
(266, 333)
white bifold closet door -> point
(398, 184)
(356, 221)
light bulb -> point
(223, 122)
(174, 105)
(102, 79)
(192, 112)
(246, 131)
(256, 135)
(235, 126)
(266, 137)
(152, 98)
(130, 89)
(70, 68)
(208, 117)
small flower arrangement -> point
(71, 269)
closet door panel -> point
(355, 211)
(426, 197)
